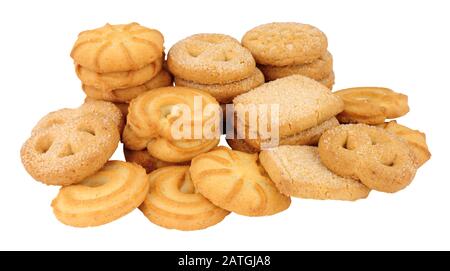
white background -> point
(403, 45)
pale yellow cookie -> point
(112, 192)
(298, 172)
(210, 59)
(235, 181)
(281, 44)
(117, 48)
(173, 203)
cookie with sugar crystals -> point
(282, 44)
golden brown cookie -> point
(235, 181)
(298, 172)
(317, 70)
(123, 108)
(144, 159)
(416, 140)
(162, 79)
(328, 81)
(224, 93)
(282, 44)
(117, 48)
(371, 105)
(210, 59)
(377, 158)
(303, 104)
(68, 145)
(112, 192)
(173, 203)
(118, 80)
(153, 115)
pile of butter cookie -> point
(337, 145)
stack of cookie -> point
(214, 63)
(306, 110)
(283, 49)
(118, 62)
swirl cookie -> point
(145, 160)
(235, 181)
(117, 48)
(173, 203)
(371, 105)
(317, 70)
(379, 159)
(416, 140)
(210, 59)
(118, 80)
(68, 145)
(282, 44)
(125, 95)
(298, 172)
(114, 191)
(153, 118)
(224, 93)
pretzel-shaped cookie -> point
(235, 181)
(210, 59)
(117, 48)
(150, 120)
(117, 189)
(70, 144)
(377, 158)
(173, 203)
(371, 105)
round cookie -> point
(224, 93)
(298, 172)
(155, 115)
(371, 105)
(328, 81)
(235, 181)
(117, 48)
(282, 44)
(118, 80)
(125, 95)
(379, 159)
(317, 70)
(112, 192)
(68, 145)
(173, 203)
(210, 59)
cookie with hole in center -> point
(68, 145)
(379, 159)
(210, 59)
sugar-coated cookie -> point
(173, 203)
(282, 44)
(224, 93)
(235, 181)
(117, 48)
(68, 145)
(112, 192)
(328, 81)
(379, 159)
(298, 172)
(210, 59)
(371, 105)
